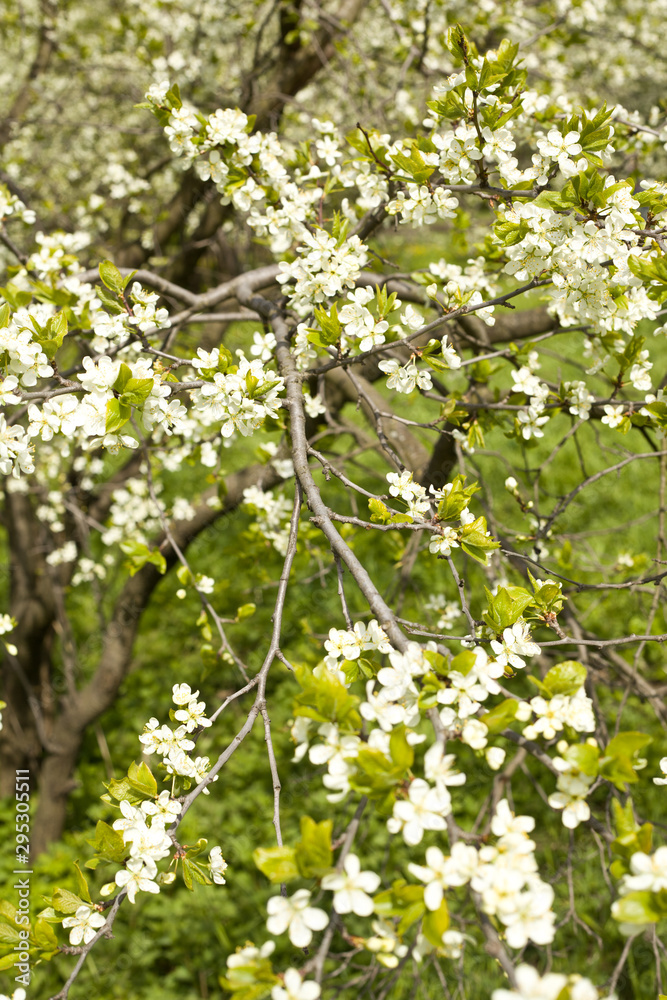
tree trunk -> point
(26, 677)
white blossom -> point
(351, 887)
(84, 925)
(294, 915)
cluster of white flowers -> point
(448, 612)
(66, 554)
(639, 373)
(405, 378)
(133, 513)
(349, 645)
(385, 944)
(504, 874)
(532, 418)
(56, 252)
(402, 485)
(613, 415)
(425, 808)
(576, 254)
(148, 844)
(173, 745)
(145, 314)
(422, 205)
(467, 285)
(241, 400)
(396, 701)
(648, 872)
(551, 986)
(86, 418)
(272, 513)
(458, 151)
(572, 788)
(579, 398)
(359, 323)
(223, 147)
(574, 710)
(8, 624)
(12, 206)
(16, 452)
(662, 780)
(296, 988)
(465, 693)
(516, 643)
(323, 269)
(25, 357)
(336, 751)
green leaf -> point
(457, 499)
(565, 678)
(359, 669)
(109, 301)
(617, 763)
(192, 872)
(501, 716)
(330, 329)
(619, 771)
(187, 875)
(627, 744)
(136, 391)
(324, 698)
(457, 43)
(120, 791)
(637, 841)
(245, 611)
(435, 923)
(7, 911)
(375, 776)
(197, 849)
(82, 884)
(476, 541)
(584, 757)
(638, 908)
(53, 335)
(123, 377)
(506, 607)
(401, 519)
(624, 817)
(402, 900)
(401, 752)
(314, 854)
(117, 416)
(413, 165)
(111, 276)
(44, 935)
(139, 554)
(8, 935)
(141, 779)
(109, 843)
(279, 864)
(463, 662)
(65, 901)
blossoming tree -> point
(380, 296)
